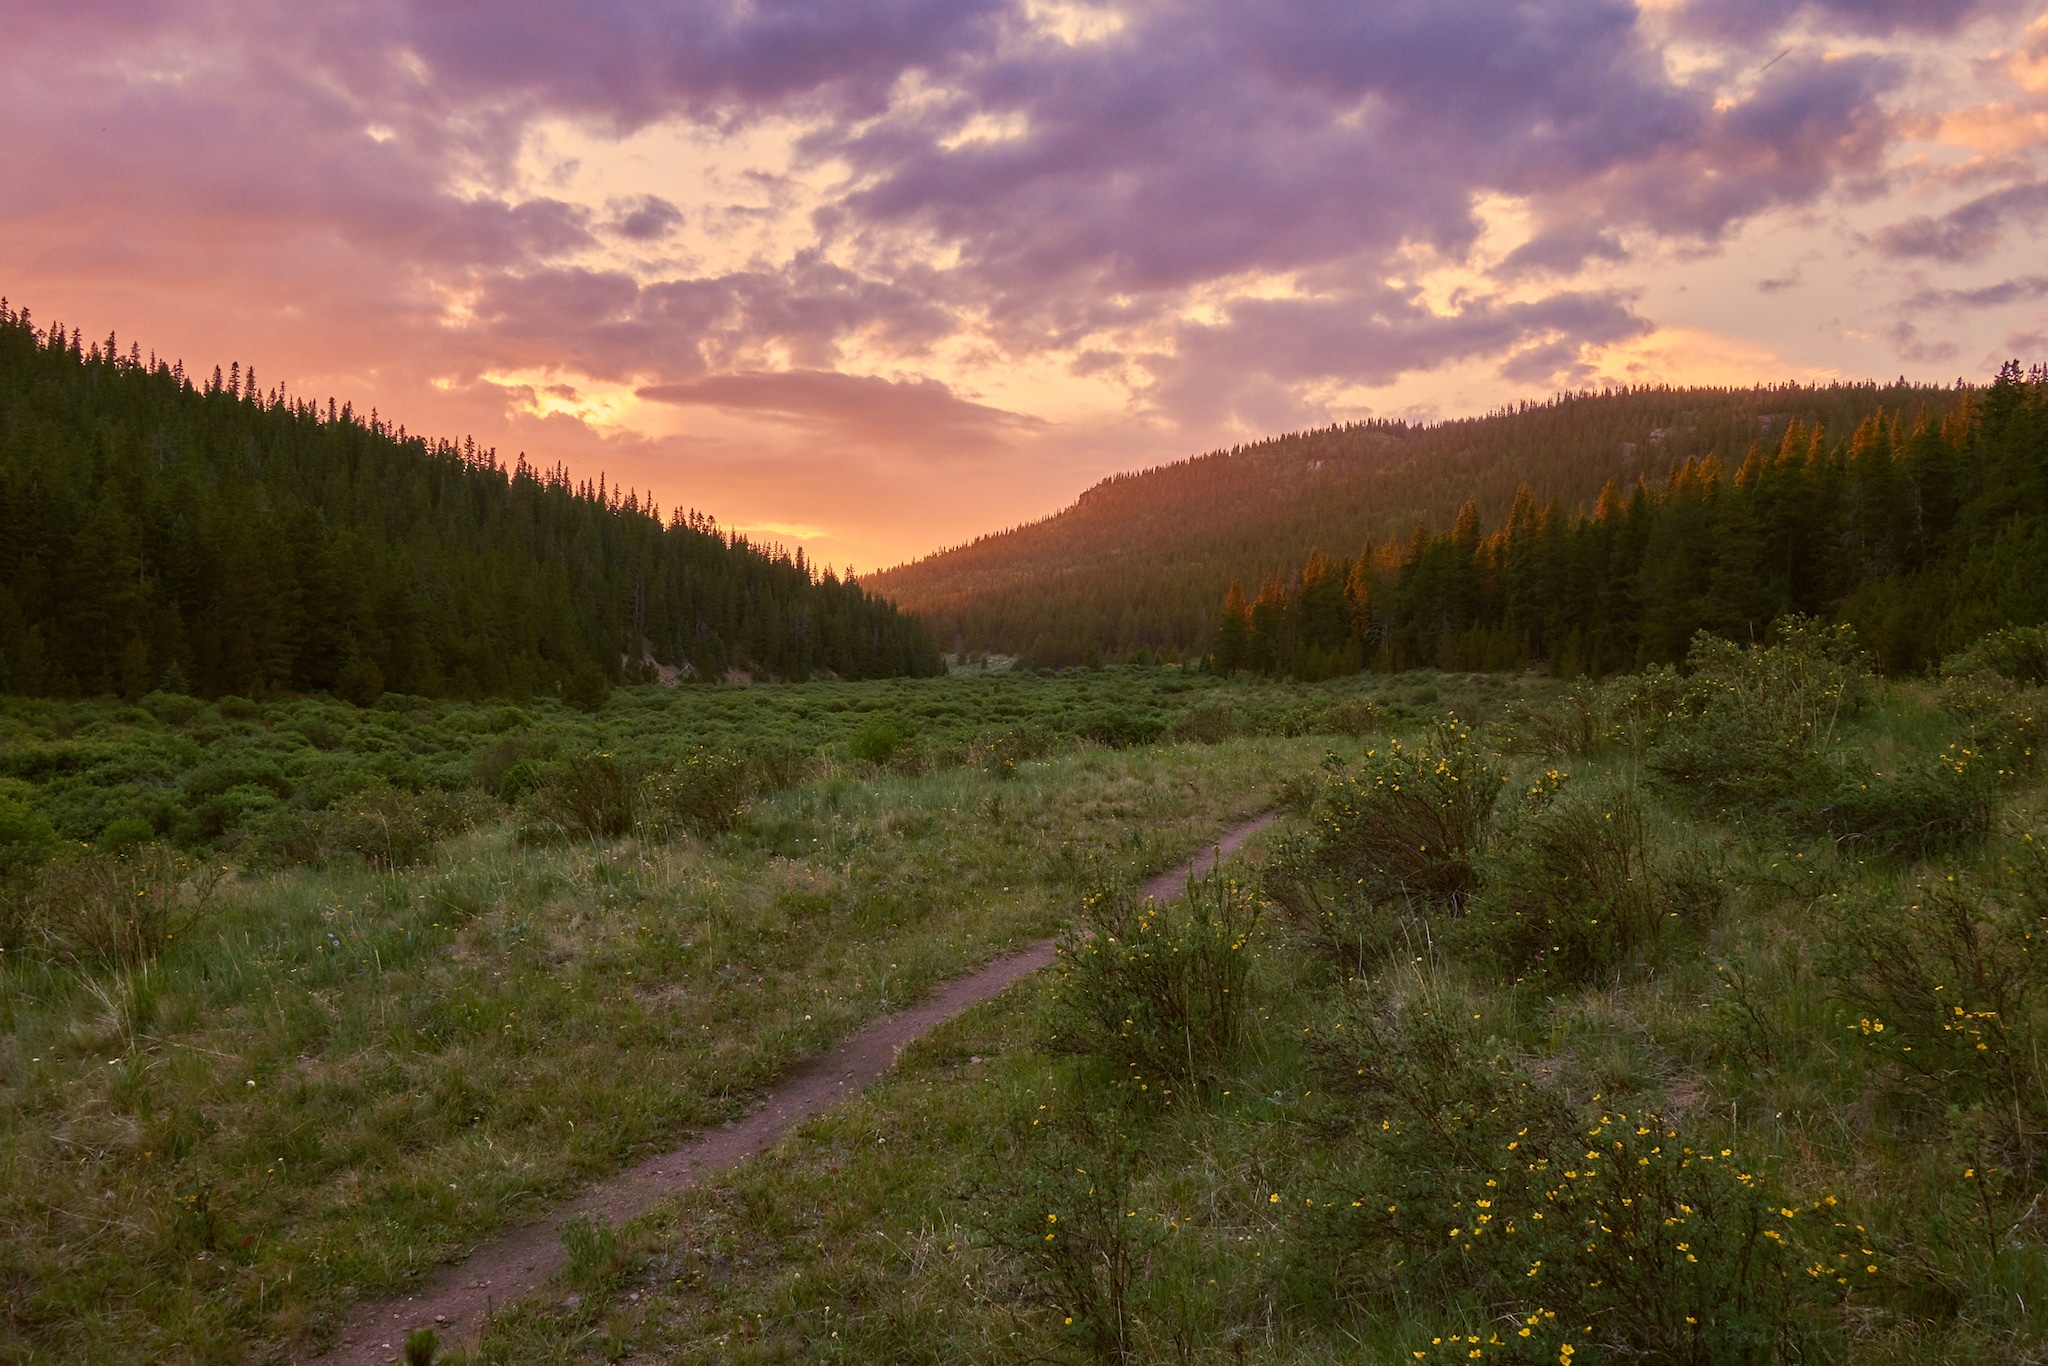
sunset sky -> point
(878, 276)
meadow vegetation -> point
(1695, 1016)
(299, 999)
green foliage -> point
(588, 689)
(26, 836)
(1951, 987)
(1506, 1216)
(703, 791)
(221, 539)
(1162, 993)
(421, 1347)
(116, 910)
(1570, 886)
(386, 827)
(1338, 920)
(1411, 822)
(1054, 1199)
(877, 740)
(2016, 655)
(1757, 734)
(583, 796)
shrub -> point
(2003, 722)
(1568, 887)
(1162, 992)
(360, 683)
(26, 836)
(588, 689)
(1121, 728)
(584, 796)
(125, 832)
(1053, 1201)
(1752, 729)
(1410, 823)
(1207, 723)
(1507, 1217)
(1940, 805)
(877, 739)
(1950, 985)
(2018, 655)
(703, 791)
(1339, 921)
(118, 910)
(387, 827)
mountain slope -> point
(1141, 561)
(233, 541)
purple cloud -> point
(1968, 232)
(920, 414)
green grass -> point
(909, 1225)
(337, 1077)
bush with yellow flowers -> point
(1161, 992)
(1531, 1222)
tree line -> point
(1138, 563)
(159, 530)
(1923, 533)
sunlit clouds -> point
(882, 275)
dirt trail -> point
(455, 1299)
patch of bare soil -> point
(455, 1300)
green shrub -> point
(1208, 723)
(1409, 824)
(1950, 986)
(172, 708)
(1054, 1199)
(1163, 993)
(588, 690)
(703, 791)
(2018, 655)
(2003, 722)
(1121, 728)
(125, 832)
(586, 796)
(1340, 921)
(1568, 887)
(117, 910)
(878, 738)
(26, 836)
(1479, 1207)
(1752, 730)
(386, 827)
(1942, 804)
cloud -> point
(920, 415)
(1983, 296)
(647, 218)
(1968, 232)
(1750, 20)
(1201, 217)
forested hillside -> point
(1140, 561)
(1922, 533)
(218, 537)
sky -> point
(874, 277)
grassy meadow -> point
(298, 1000)
(1693, 1016)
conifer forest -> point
(202, 532)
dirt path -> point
(455, 1299)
